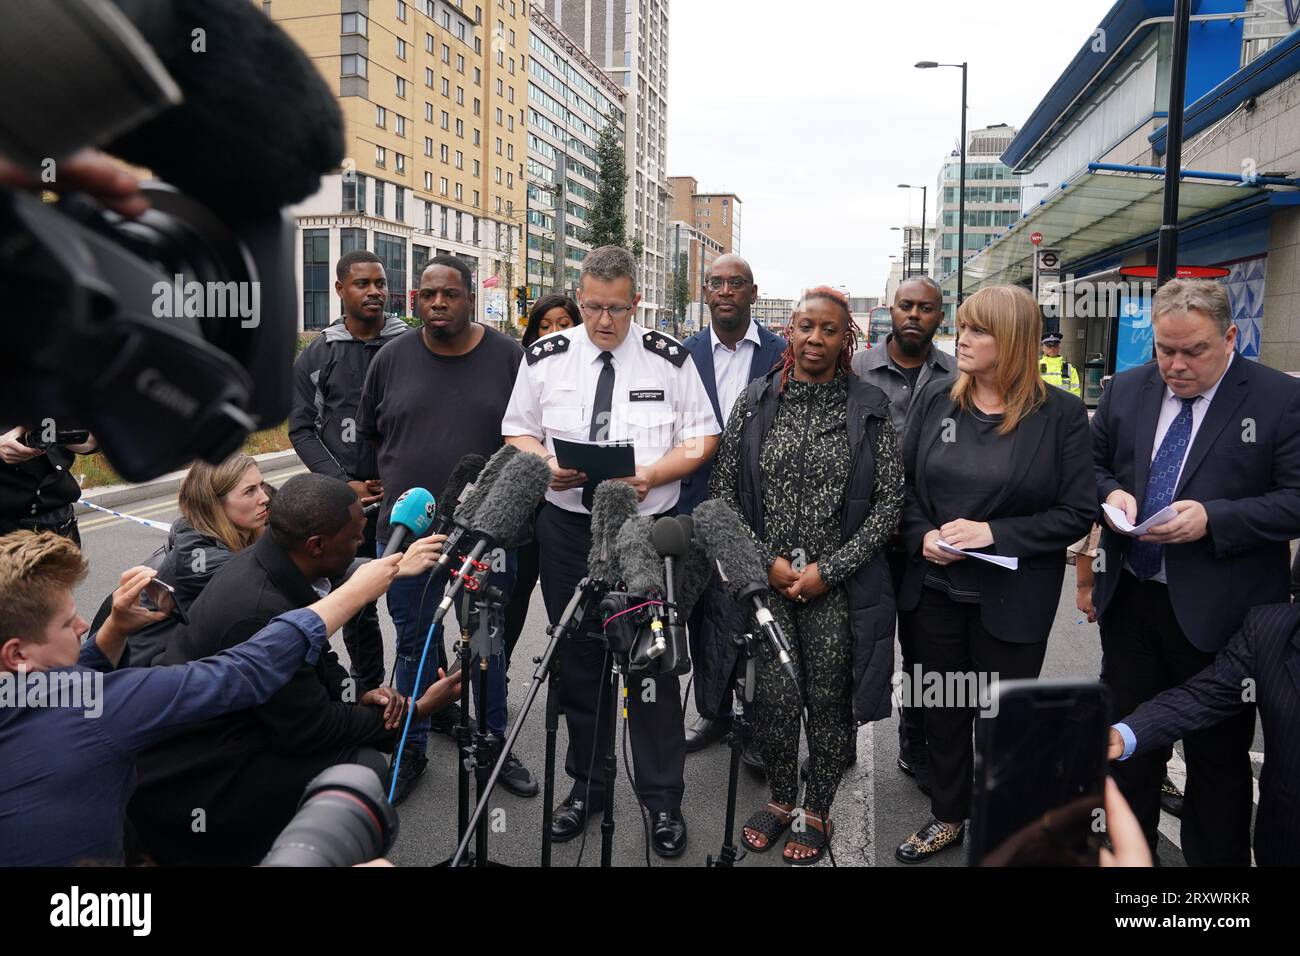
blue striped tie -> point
(1145, 558)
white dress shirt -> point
(1169, 409)
(731, 367)
(656, 405)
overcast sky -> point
(811, 111)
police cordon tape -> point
(156, 525)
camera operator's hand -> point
(421, 556)
(12, 449)
(440, 694)
(394, 705)
(87, 171)
(1126, 836)
(128, 614)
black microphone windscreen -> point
(613, 504)
(643, 569)
(466, 470)
(467, 510)
(724, 538)
(258, 127)
(669, 539)
(507, 510)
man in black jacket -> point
(1261, 662)
(1216, 438)
(327, 380)
(220, 793)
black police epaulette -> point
(666, 347)
(551, 345)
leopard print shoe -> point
(929, 840)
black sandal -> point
(767, 824)
(810, 839)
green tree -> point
(607, 219)
(681, 291)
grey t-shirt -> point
(427, 411)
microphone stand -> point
(611, 762)
(546, 671)
(474, 748)
(739, 733)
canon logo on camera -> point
(151, 384)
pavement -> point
(875, 809)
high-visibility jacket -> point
(1057, 371)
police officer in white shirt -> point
(611, 379)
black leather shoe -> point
(1171, 798)
(752, 759)
(705, 731)
(932, 838)
(570, 818)
(905, 765)
(668, 834)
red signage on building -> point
(1181, 272)
(1036, 238)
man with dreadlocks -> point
(811, 463)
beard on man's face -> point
(914, 345)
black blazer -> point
(695, 486)
(1049, 505)
(1264, 658)
(246, 769)
(1244, 466)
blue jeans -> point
(412, 608)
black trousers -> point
(361, 635)
(526, 572)
(655, 729)
(951, 640)
(911, 720)
(1146, 652)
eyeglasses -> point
(616, 312)
(735, 283)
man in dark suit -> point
(1260, 663)
(732, 352)
(905, 363)
(1216, 438)
(246, 771)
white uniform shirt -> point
(731, 367)
(657, 405)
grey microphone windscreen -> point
(508, 508)
(613, 505)
(694, 573)
(643, 569)
(468, 509)
(725, 539)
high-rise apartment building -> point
(570, 100)
(992, 200)
(693, 252)
(628, 39)
(433, 95)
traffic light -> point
(521, 299)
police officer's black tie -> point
(600, 414)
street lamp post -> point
(1167, 250)
(961, 186)
(925, 201)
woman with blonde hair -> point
(998, 463)
(223, 511)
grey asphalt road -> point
(876, 807)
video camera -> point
(171, 335)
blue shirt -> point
(68, 775)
